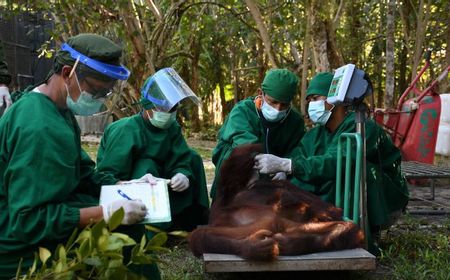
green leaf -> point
(98, 229)
(115, 263)
(142, 260)
(158, 240)
(58, 267)
(116, 219)
(114, 244)
(113, 255)
(152, 228)
(142, 244)
(44, 254)
(102, 243)
(93, 261)
(62, 256)
(72, 238)
(19, 269)
(157, 249)
(135, 252)
(179, 233)
(33, 267)
(125, 238)
(85, 234)
(84, 249)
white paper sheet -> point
(155, 198)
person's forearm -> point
(90, 215)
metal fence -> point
(22, 36)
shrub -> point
(95, 253)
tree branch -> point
(254, 10)
(338, 15)
(155, 10)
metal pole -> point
(360, 119)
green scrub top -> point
(132, 147)
(314, 165)
(245, 126)
(45, 177)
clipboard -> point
(155, 198)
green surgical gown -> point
(45, 178)
(314, 165)
(244, 126)
(132, 147)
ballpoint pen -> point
(123, 194)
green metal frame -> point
(348, 168)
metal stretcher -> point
(354, 259)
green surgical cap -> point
(92, 45)
(320, 84)
(280, 84)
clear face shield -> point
(165, 89)
(98, 78)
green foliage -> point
(95, 253)
(207, 132)
(418, 250)
(214, 43)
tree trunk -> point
(319, 40)
(326, 54)
(390, 54)
(256, 14)
(305, 64)
(402, 83)
(445, 83)
(353, 33)
(423, 16)
(378, 51)
(195, 80)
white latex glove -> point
(270, 164)
(179, 182)
(279, 176)
(135, 210)
(5, 97)
(147, 178)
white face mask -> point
(162, 119)
(270, 113)
(317, 112)
(85, 105)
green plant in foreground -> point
(96, 253)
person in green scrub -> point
(48, 187)
(151, 142)
(5, 79)
(269, 119)
(313, 162)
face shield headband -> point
(165, 89)
(118, 72)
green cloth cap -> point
(320, 84)
(92, 45)
(280, 84)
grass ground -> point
(415, 248)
